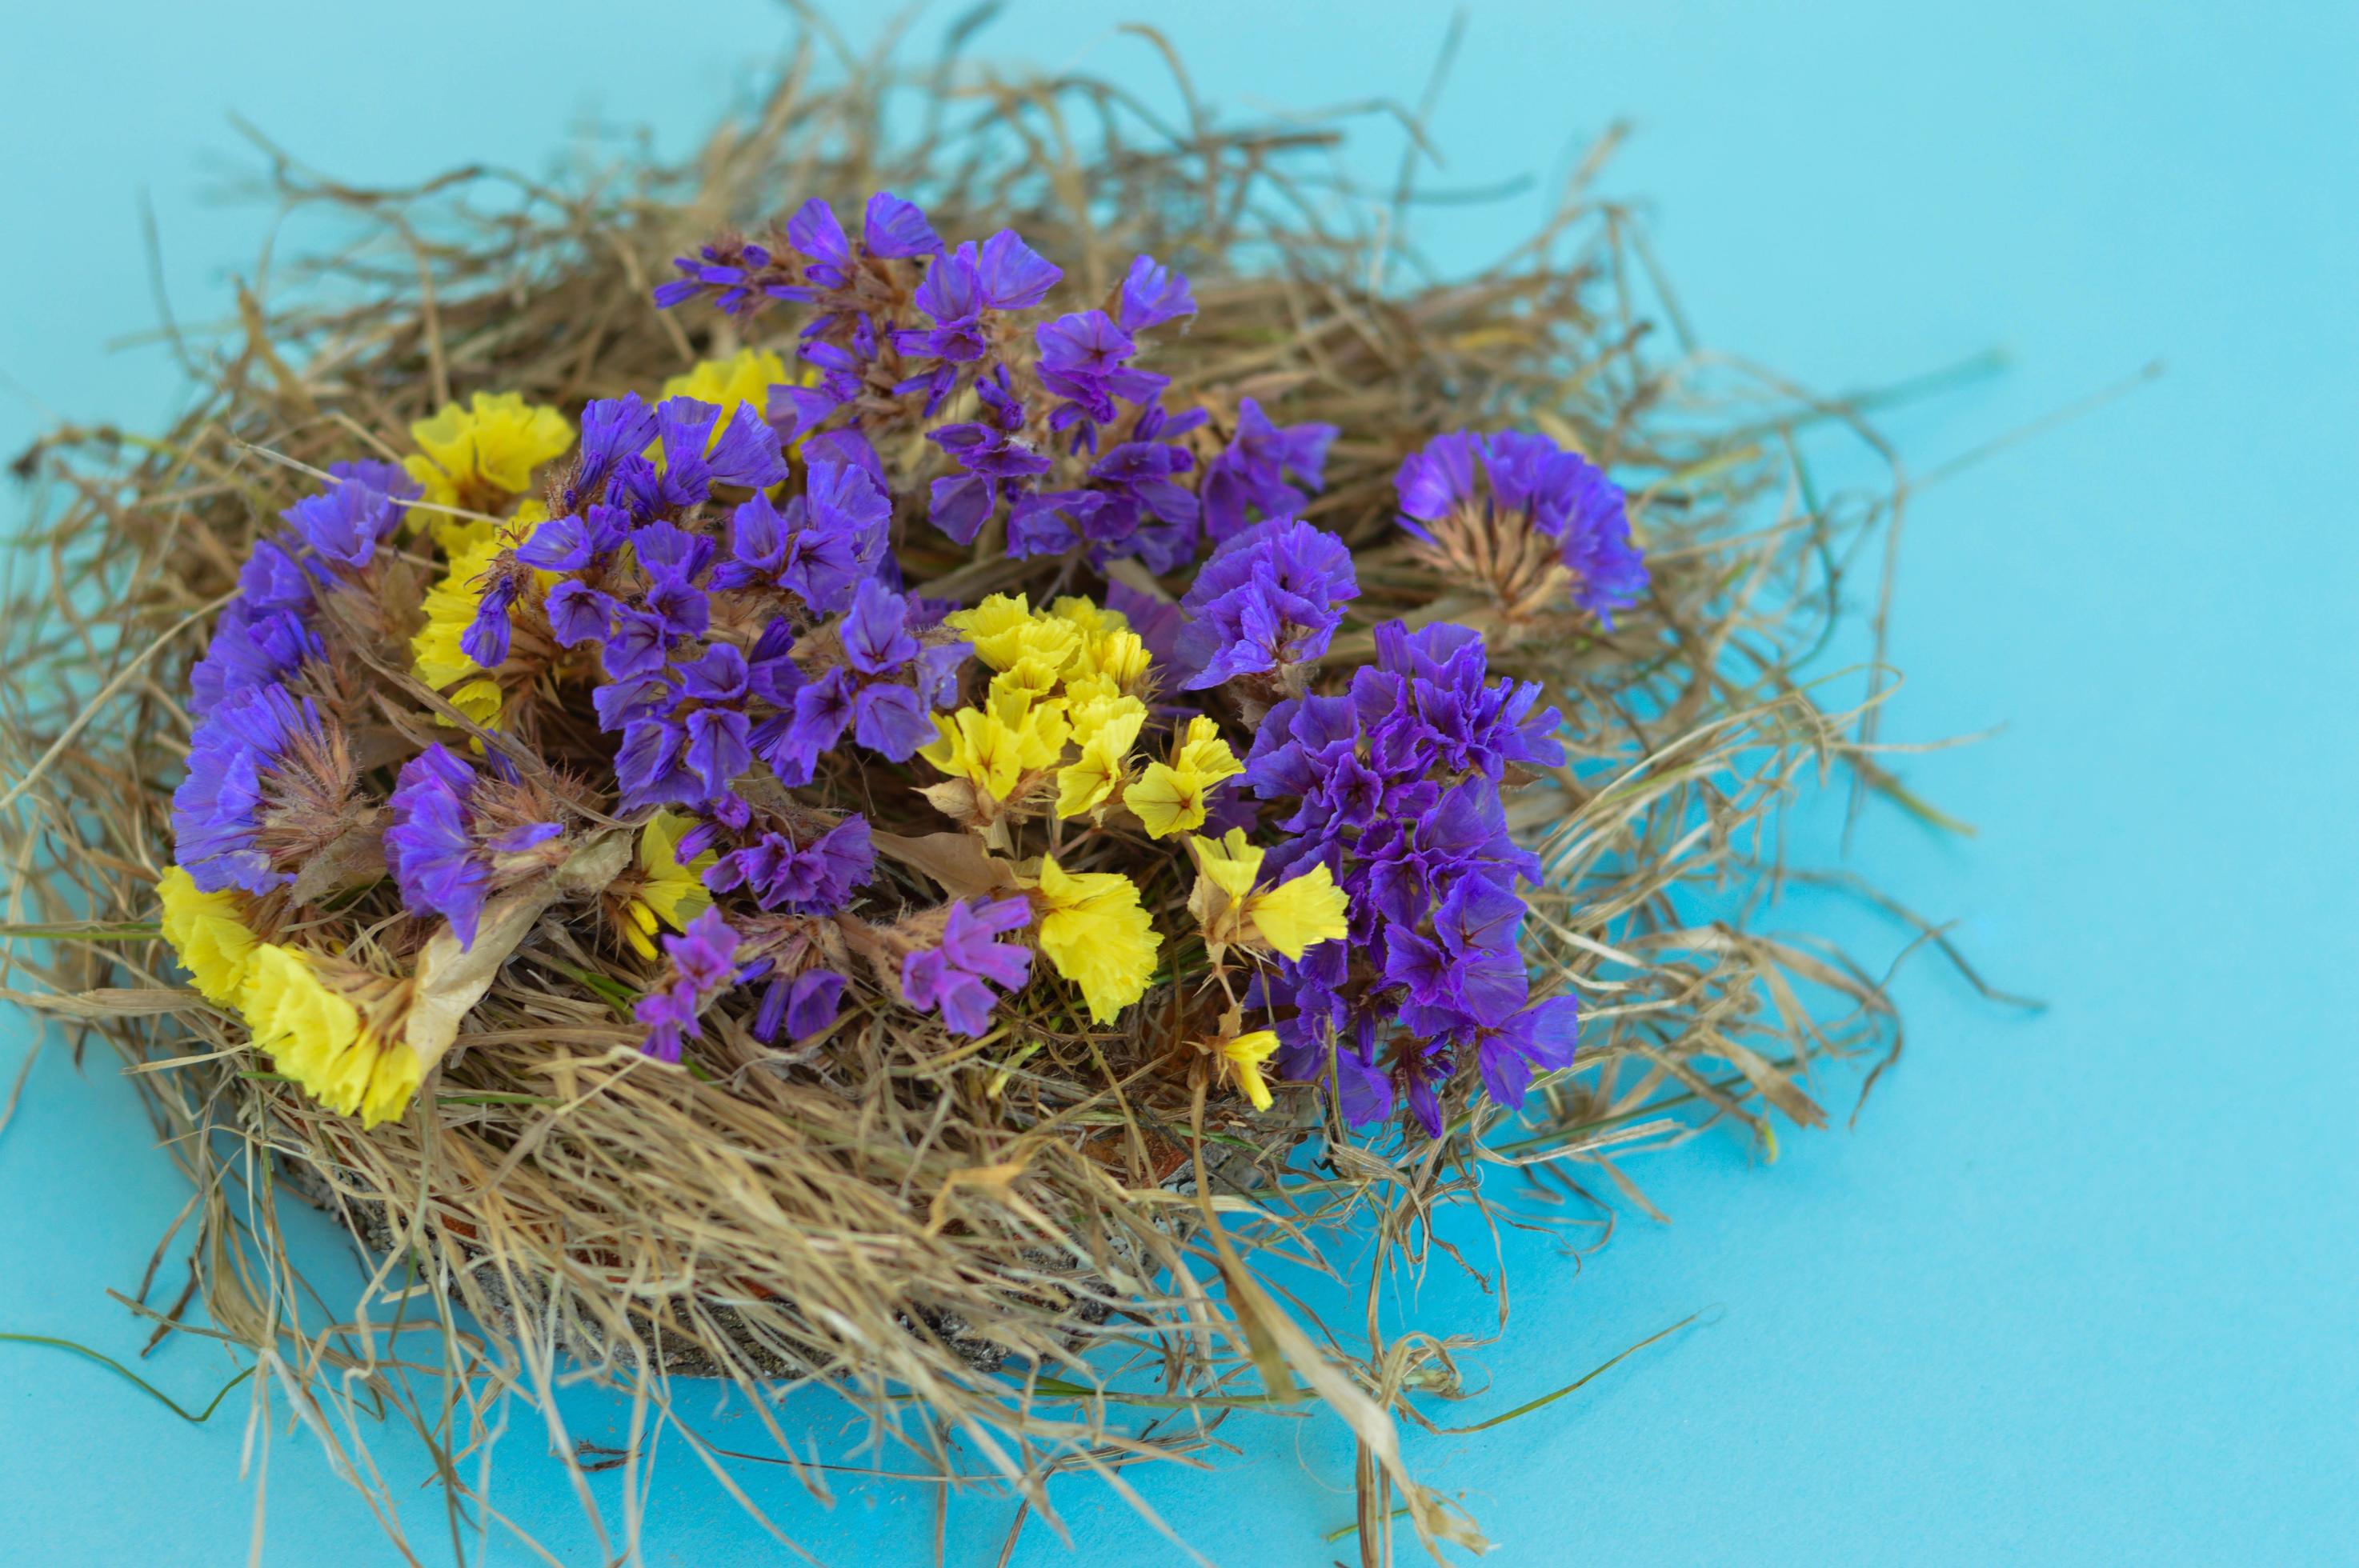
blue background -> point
(2077, 1288)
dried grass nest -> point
(969, 1240)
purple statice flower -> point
(686, 732)
(816, 878)
(882, 692)
(1266, 599)
(1085, 359)
(485, 639)
(614, 430)
(1002, 273)
(797, 410)
(746, 453)
(961, 290)
(822, 544)
(993, 458)
(742, 276)
(234, 756)
(897, 229)
(1558, 493)
(1153, 294)
(439, 859)
(955, 977)
(673, 608)
(577, 543)
(1131, 505)
(265, 633)
(1394, 786)
(345, 523)
(1264, 471)
(873, 630)
(891, 228)
(703, 964)
(799, 1007)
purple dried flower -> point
(613, 428)
(1266, 599)
(1263, 470)
(1395, 788)
(955, 977)
(1085, 357)
(993, 454)
(264, 634)
(432, 845)
(801, 1006)
(1003, 274)
(1463, 479)
(897, 229)
(704, 962)
(874, 641)
(826, 542)
(1153, 294)
(235, 757)
(817, 878)
(346, 523)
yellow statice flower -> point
(1287, 918)
(208, 934)
(316, 1036)
(1241, 1057)
(1072, 675)
(1088, 614)
(1032, 679)
(670, 893)
(745, 376)
(1169, 797)
(1116, 657)
(1094, 930)
(436, 655)
(1005, 631)
(992, 749)
(1106, 734)
(476, 457)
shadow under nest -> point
(1053, 1242)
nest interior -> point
(987, 1233)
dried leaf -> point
(958, 861)
(452, 979)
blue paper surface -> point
(2076, 1288)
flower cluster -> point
(449, 839)
(711, 694)
(1266, 603)
(267, 785)
(1394, 786)
(1515, 512)
(956, 975)
(703, 960)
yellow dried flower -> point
(477, 457)
(316, 1036)
(670, 893)
(208, 934)
(1094, 930)
(1287, 918)
(1106, 736)
(992, 749)
(1170, 797)
(1241, 1057)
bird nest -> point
(1045, 1235)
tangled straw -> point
(1047, 1248)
